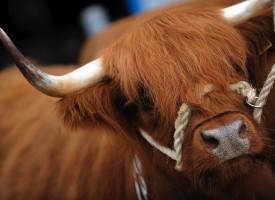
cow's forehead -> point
(175, 55)
(185, 47)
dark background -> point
(49, 30)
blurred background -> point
(52, 32)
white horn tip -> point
(241, 12)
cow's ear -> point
(258, 32)
(92, 107)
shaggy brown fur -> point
(163, 62)
(95, 45)
(155, 65)
(40, 159)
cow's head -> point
(143, 78)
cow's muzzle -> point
(229, 136)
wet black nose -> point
(228, 141)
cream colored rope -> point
(180, 124)
(246, 90)
(167, 151)
(261, 101)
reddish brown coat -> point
(89, 153)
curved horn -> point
(241, 12)
(56, 86)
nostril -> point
(210, 141)
(243, 130)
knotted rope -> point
(250, 93)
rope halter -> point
(242, 87)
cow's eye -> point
(145, 100)
(238, 69)
(198, 110)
